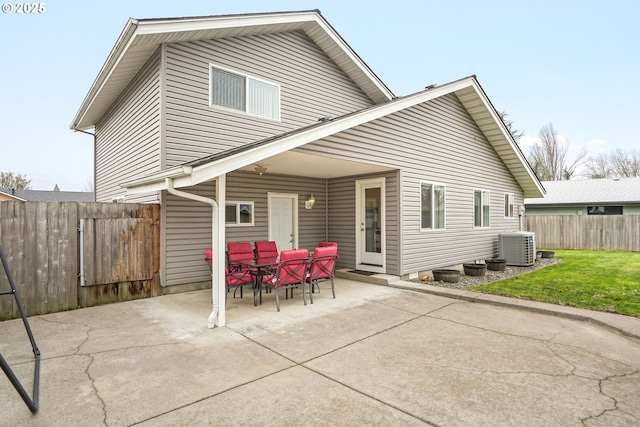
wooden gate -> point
(120, 254)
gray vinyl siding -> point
(311, 85)
(438, 142)
(188, 223)
(128, 136)
(187, 231)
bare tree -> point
(88, 185)
(620, 164)
(599, 167)
(515, 133)
(16, 181)
(549, 157)
(625, 164)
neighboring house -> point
(276, 119)
(45, 196)
(7, 194)
(588, 197)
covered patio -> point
(280, 159)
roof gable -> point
(140, 38)
(7, 194)
(467, 90)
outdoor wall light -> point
(308, 204)
(260, 169)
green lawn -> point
(604, 281)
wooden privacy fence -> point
(589, 232)
(119, 254)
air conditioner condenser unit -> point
(517, 247)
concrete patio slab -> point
(375, 355)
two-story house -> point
(269, 126)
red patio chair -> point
(238, 251)
(291, 273)
(208, 257)
(266, 248)
(323, 244)
(322, 267)
(266, 251)
(235, 279)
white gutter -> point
(217, 316)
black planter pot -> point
(496, 264)
(475, 269)
(451, 276)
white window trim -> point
(510, 198)
(433, 185)
(246, 76)
(237, 205)
(482, 200)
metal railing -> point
(32, 403)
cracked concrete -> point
(375, 355)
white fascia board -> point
(353, 57)
(119, 49)
(146, 188)
(503, 129)
(212, 23)
(508, 137)
(155, 181)
(12, 198)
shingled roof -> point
(49, 196)
(623, 190)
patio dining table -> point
(258, 267)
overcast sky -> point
(575, 64)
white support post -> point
(218, 285)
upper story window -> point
(432, 206)
(508, 205)
(244, 93)
(481, 208)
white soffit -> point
(482, 112)
(299, 164)
(140, 38)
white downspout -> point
(217, 316)
(81, 230)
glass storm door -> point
(370, 225)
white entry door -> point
(283, 220)
(370, 226)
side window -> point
(239, 92)
(481, 211)
(604, 210)
(238, 213)
(432, 206)
(508, 205)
